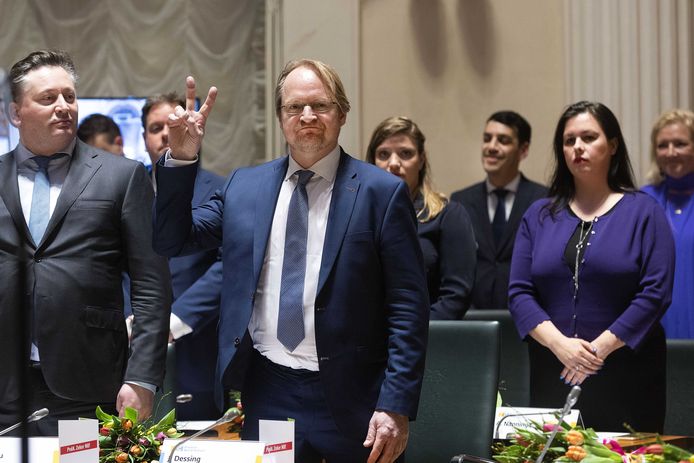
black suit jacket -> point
(101, 226)
(494, 262)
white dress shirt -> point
(263, 324)
(511, 188)
(26, 171)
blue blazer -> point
(196, 280)
(371, 307)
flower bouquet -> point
(576, 444)
(127, 440)
(236, 424)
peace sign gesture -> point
(187, 126)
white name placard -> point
(507, 419)
(78, 440)
(213, 451)
(279, 436)
(41, 450)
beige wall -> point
(448, 64)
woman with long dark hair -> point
(591, 276)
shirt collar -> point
(511, 186)
(325, 168)
(22, 154)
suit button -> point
(324, 359)
(237, 341)
(320, 309)
(37, 259)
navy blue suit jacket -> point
(196, 280)
(371, 307)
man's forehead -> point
(304, 80)
(495, 127)
(48, 78)
(162, 109)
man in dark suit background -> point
(329, 330)
(497, 205)
(196, 281)
(74, 223)
(100, 131)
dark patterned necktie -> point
(499, 222)
(290, 322)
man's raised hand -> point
(187, 126)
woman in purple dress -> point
(672, 185)
(591, 277)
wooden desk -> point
(628, 443)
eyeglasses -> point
(318, 107)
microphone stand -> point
(228, 416)
(37, 415)
(570, 402)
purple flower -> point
(161, 436)
(145, 442)
(122, 441)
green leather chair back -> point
(514, 367)
(165, 398)
(679, 417)
(458, 402)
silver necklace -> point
(583, 235)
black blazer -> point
(494, 262)
(101, 226)
(449, 250)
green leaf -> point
(131, 414)
(168, 420)
(102, 415)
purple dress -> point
(675, 197)
(625, 284)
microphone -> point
(571, 400)
(37, 415)
(228, 416)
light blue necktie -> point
(40, 199)
(290, 322)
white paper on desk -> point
(507, 419)
(213, 451)
(279, 436)
(78, 441)
(41, 449)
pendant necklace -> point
(583, 235)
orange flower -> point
(576, 453)
(574, 437)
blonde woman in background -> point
(444, 228)
(672, 185)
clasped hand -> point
(187, 126)
(579, 359)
